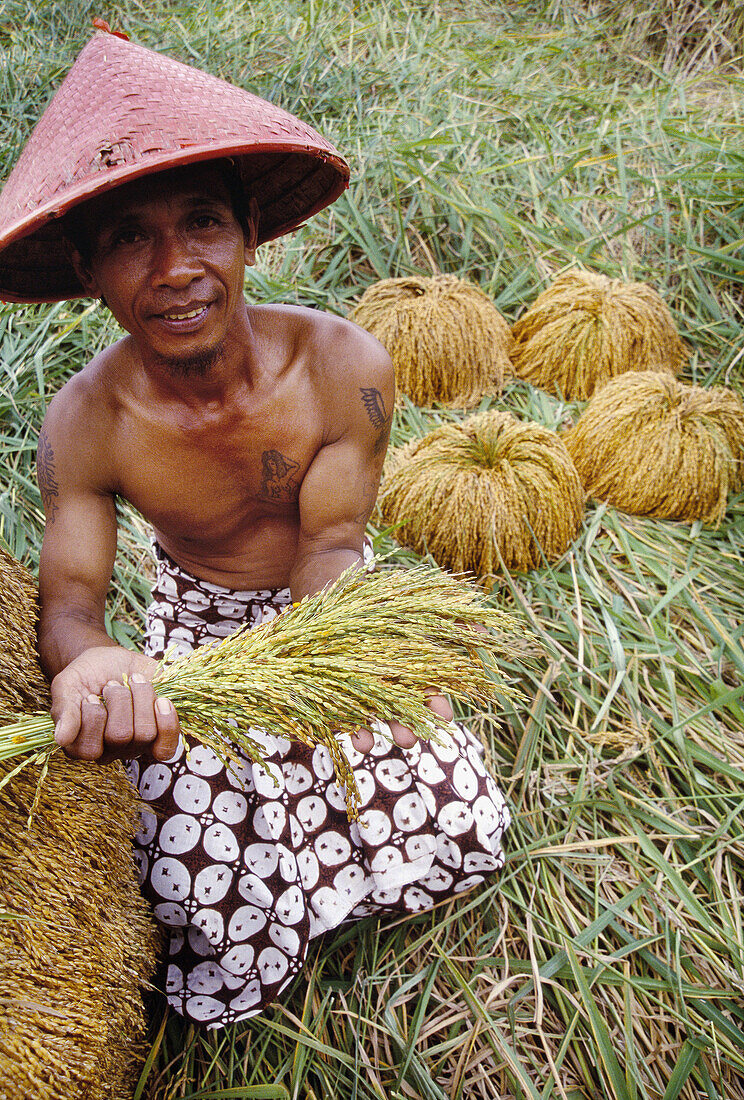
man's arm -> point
(75, 568)
(339, 490)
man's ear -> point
(83, 272)
(251, 232)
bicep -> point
(338, 494)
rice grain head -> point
(447, 340)
(77, 941)
(586, 329)
(491, 485)
(654, 446)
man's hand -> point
(131, 719)
(363, 739)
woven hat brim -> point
(124, 112)
(34, 255)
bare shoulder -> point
(333, 349)
(80, 418)
(350, 356)
(352, 377)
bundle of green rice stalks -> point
(447, 340)
(369, 646)
(654, 446)
(77, 943)
(489, 489)
(586, 329)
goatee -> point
(193, 366)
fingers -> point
(362, 740)
(142, 699)
(89, 743)
(441, 706)
(119, 722)
(168, 730)
(402, 735)
(67, 722)
(126, 721)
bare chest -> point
(211, 476)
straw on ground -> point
(488, 490)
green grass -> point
(504, 141)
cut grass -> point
(503, 143)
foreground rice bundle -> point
(77, 943)
(487, 489)
(657, 447)
(586, 329)
(369, 646)
(447, 340)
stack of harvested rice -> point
(77, 944)
(447, 340)
(586, 329)
(488, 489)
(654, 446)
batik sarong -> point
(244, 871)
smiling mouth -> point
(184, 315)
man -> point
(252, 438)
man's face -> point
(168, 255)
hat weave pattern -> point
(124, 111)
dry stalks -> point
(586, 329)
(447, 340)
(77, 943)
(654, 446)
(487, 489)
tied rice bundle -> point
(369, 646)
(447, 340)
(586, 329)
(77, 941)
(487, 490)
(654, 446)
(22, 683)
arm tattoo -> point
(48, 484)
(378, 415)
(369, 496)
(277, 480)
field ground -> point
(505, 142)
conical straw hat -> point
(124, 111)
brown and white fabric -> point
(245, 866)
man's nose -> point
(174, 263)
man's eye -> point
(125, 237)
(205, 221)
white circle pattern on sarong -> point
(230, 807)
(192, 794)
(221, 843)
(212, 883)
(274, 865)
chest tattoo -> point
(278, 481)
